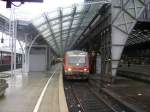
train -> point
(76, 65)
(5, 60)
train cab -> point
(76, 65)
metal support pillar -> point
(12, 33)
(125, 14)
(26, 56)
(22, 57)
(48, 58)
(1, 58)
(98, 64)
(106, 54)
(23, 62)
(15, 37)
(105, 44)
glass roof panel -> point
(53, 15)
(57, 34)
(38, 21)
(56, 27)
(56, 30)
(54, 46)
(67, 11)
(54, 22)
(66, 23)
(45, 32)
(77, 16)
(75, 22)
(66, 18)
(65, 35)
(52, 43)
(65, 32)
(50, 39)
(66, 28)
(43, 27)
(74, 25)
(58, 39)
(58, 42)
(79, 8)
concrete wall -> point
(37, 62)
(98, 64)
(38, 59)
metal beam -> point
(50, 29)
(79, 25)
(60, 29)
(94, 26)
(124, 17)
(70, 25)
(57, 18)
(80, 28)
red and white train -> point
(76, 65)
(5, 60)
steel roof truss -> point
(50, 29)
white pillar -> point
(98, 64)
(118, 42)
(26, 66)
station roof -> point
(61, 28)
(139, 34)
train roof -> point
(76, 52)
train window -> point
(6, 58)
(77, 60)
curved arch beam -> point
(28, 52)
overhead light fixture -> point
(9, 2)
(85, 69)
(2, 40)
(69, 69)
(139, 94)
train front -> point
(76, 65)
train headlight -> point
(69, 69)
(85, 69)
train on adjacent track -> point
(5, 60)
(76, 65)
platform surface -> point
(133, 92)
(142, 69)
(25, 91)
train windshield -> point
(77, 60)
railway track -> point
(81, 99)
(124, 98)
(135, 76)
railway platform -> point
(106, 32)
(141, 72)
(131, 93)
(34, 92)
(134, 93)
(143, 69)
(7, 74)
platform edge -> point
(62, 98)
